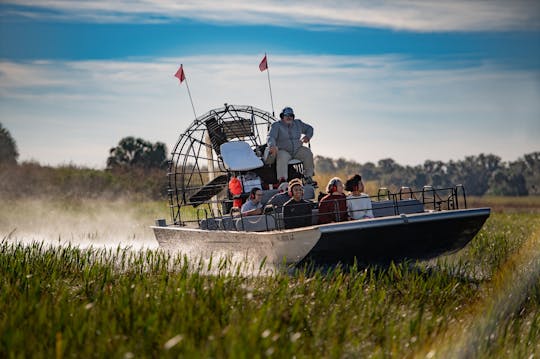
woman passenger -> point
(333, 206)
(358, 203)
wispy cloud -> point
(423, 16)
(363, 107)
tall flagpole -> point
(189, 93)
(181, 75)
(269, 86)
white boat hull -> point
(277, 247)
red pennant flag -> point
(180, 74)
(264, 64)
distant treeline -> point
(481, 175)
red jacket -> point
(333, 208)
(235, 186)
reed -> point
(64, 301)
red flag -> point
(180, 74)
(264, 64)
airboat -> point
(230, 142)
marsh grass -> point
(525, 204)
(63, 301)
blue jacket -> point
(288, 137)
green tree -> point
(324, 165)
(369, 171)
(531, 171)
(476, 171)
(134, 152)
(505, 182)
(8, 147)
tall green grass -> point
(65, 301)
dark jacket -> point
(297, 214)
(279, 199)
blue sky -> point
(406, 80)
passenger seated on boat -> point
(333, 206)
(358, 203)
(253, 205)
(279, 199)
(296, 211)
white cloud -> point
(363, 108)
(458, 15)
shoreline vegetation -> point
(482, 175)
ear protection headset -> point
(292, 184)
(333, 186)
(252, 193)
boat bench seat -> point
(315, 216)
(258, 223)
(226, 224)
(407, 206)
(209, 224)
(383, 208)
(220, 223)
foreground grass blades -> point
(64, 301)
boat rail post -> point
(411, 196)
(432, 190)
(462, 187)
(379, 193)
(395, 203)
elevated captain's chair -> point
(239, 156)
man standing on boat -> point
(285, 142)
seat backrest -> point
(239, 156)
(410, 206)
(226, 224)
(267, 194)
(216, 134)
(315, 216)
(258, 223)
(209, 224)
(309, 192)
(383, 208)
(239, 128)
